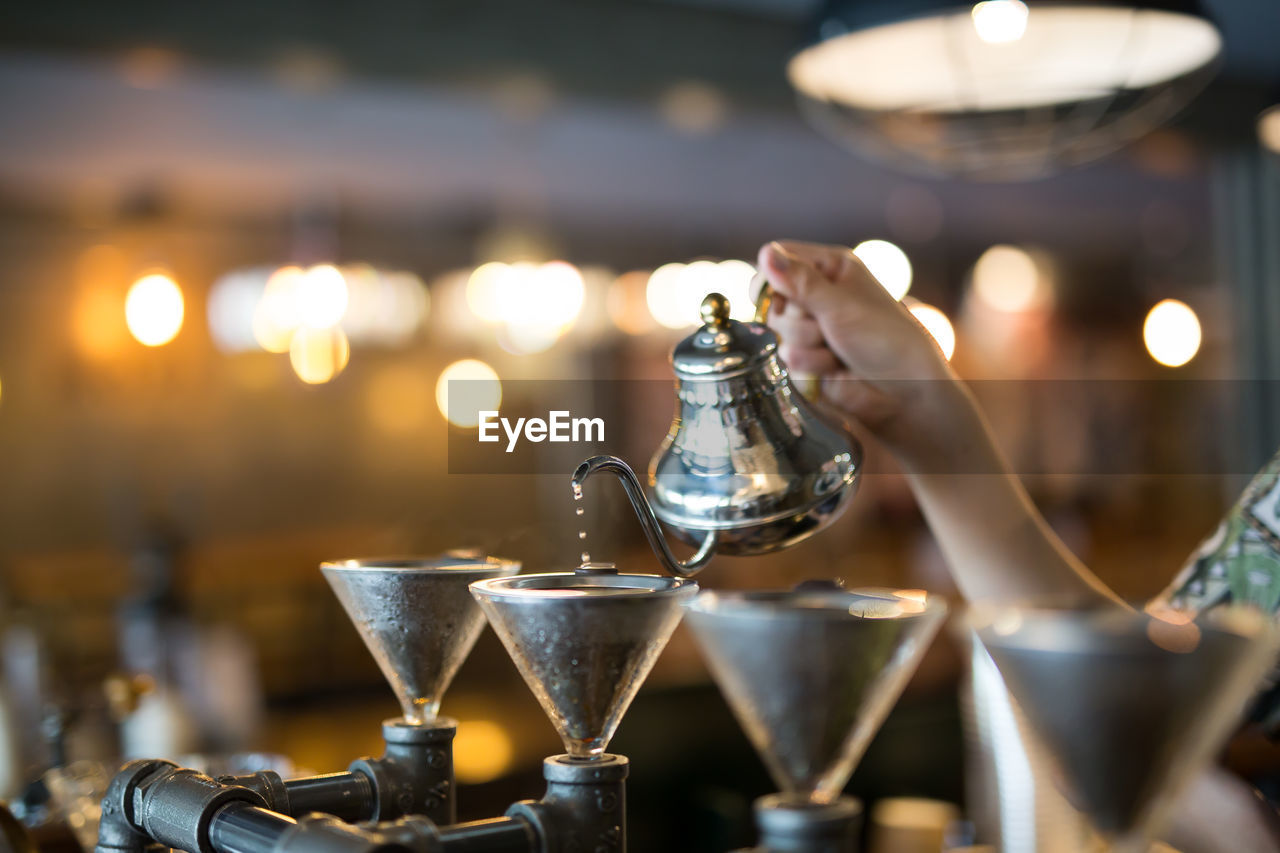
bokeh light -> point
(385, 307)
(888, 264)
(937, 324)
(999, 21)
(1269, 129)
(318, 355)
(625, 302)
(1172, 333)
(1008, 279)
(484, 291)
(320, 297)
(675, 291)
(482, 751)
(693, 107)
(102, 279)
(476, 388)
(153, 310)
(276, 316)
(535, 303)
(232, 304)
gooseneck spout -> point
(648, 521)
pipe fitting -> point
(415, 774)
(176, 807)
(584, 807)
(117, 831)
(790, 826)
(265, 783)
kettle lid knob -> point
(715, 311)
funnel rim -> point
(835, 605)
(449, 563)
(563, 586)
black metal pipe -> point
(239, 828)
(346, 795)
(495, 835)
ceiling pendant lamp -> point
(1000, 90)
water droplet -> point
(579, 510)
(582, 534)
(586, 557)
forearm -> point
(998, 545)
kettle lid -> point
(722, 346)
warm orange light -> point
(398, 399)
(625, 301)
(478, 390)
(1009, 279)
(318, 355)
(1172, 333)
(97, 326)
(937, 325)
(276, 315)
(153, 310)
(482, 751)
(321, 297)
(888, 263)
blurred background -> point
(244, 244)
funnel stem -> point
(648, 521)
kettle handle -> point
(763, 302)
(809, 386)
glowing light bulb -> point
(153, 310)
(1172, 333)
(937, 324)
(888, 264)
(1000, 21)
(475, 388)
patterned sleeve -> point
(1240, 564)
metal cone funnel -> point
(812, 675)
(584, 643)
(1129, 705)
(417, 619)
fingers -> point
(813, 360)
(796, 328)
(816, 275)
(794, 277)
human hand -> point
(876, 363)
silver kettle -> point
(748, 465)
